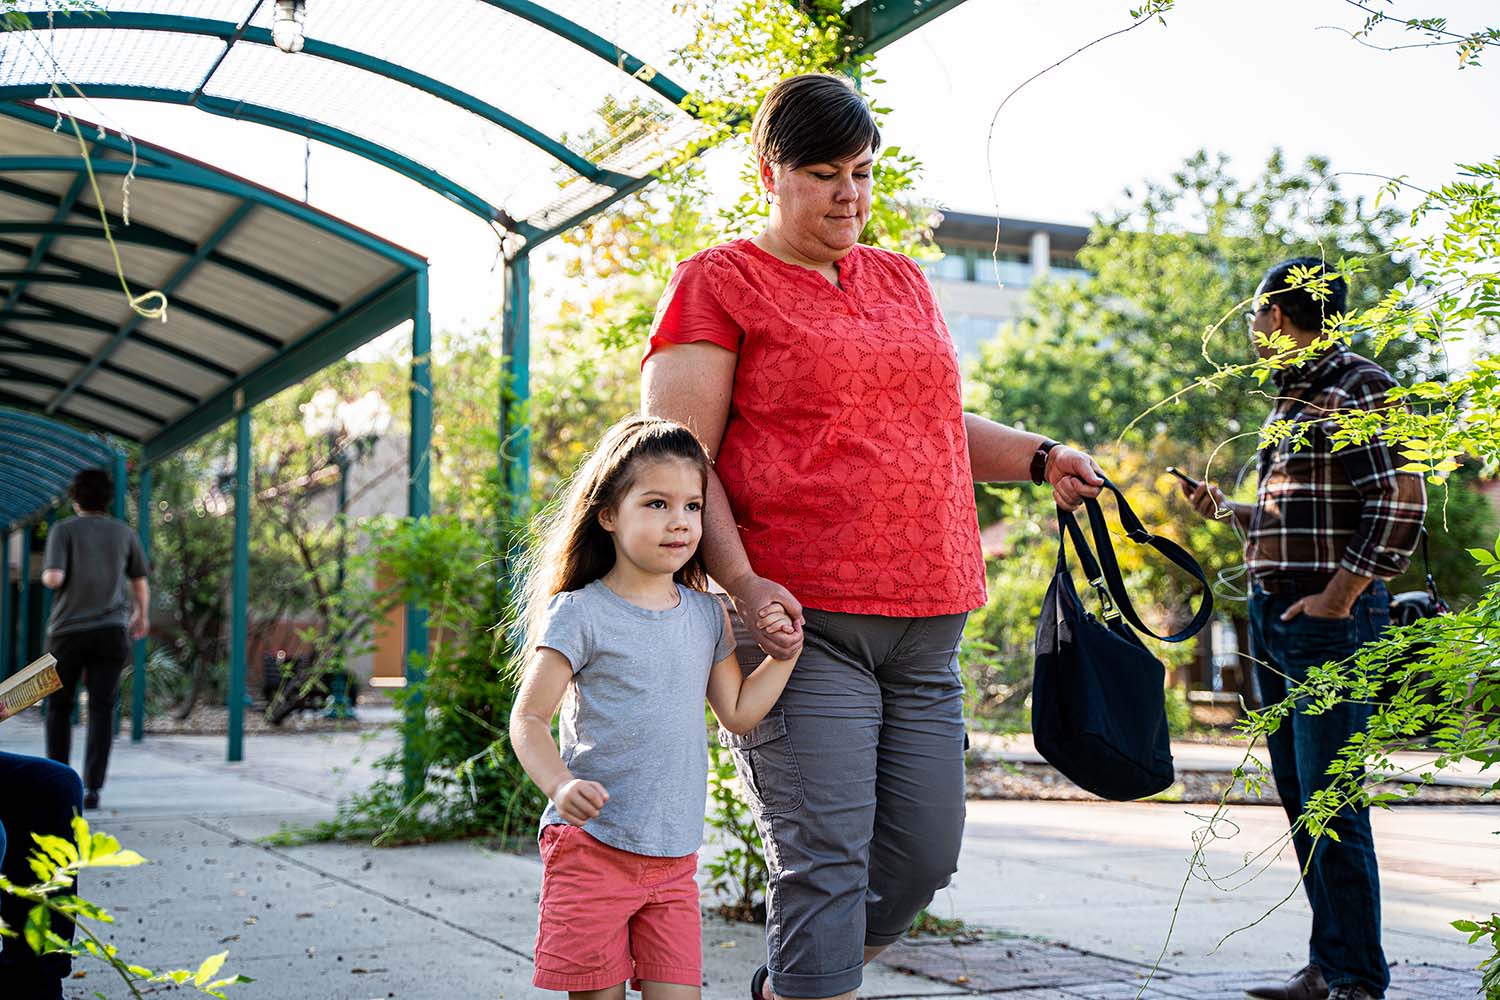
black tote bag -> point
(1098, 708)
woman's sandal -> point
(758, 983)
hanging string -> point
(138, 303)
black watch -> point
(1039, 461)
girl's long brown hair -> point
(573, 549)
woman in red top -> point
(821, 378)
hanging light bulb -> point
(286, 27)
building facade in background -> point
(982, 288)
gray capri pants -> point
(856, 780)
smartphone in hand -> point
(1189, 481)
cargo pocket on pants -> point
(767, 766)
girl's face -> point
(657, 524)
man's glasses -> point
(1250, 314)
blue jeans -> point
(36, 796)
(1342, 880)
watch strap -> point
(1039, 461)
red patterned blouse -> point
(844, 456)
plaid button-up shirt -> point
(1318, 510)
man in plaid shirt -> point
(1325, 529)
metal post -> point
(23, 603)
(515, 391)
(138, 672)
(240, 590)
(418, 504)
(7, 614)
(46, 592)
(338, 684)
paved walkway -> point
(1077, 895)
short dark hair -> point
(92, 490)
(813, 118)
(1305, 310)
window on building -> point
(969, 332)
(1002, 269)
(950, 267)
(1067, 268)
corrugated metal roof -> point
(256, 281)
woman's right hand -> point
(753, 596)
(579, 801)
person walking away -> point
(95, 564)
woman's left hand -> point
(1073, 475)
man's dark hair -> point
(813, 118)
(92, 490)
(1306, 311)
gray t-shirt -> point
(98, 555)
(632, 719)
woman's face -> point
(821, 208)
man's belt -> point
(1293, 584)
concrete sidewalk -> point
(1078, 895)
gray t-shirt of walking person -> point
(98, 556)
(632, 719)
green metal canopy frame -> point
(414, 88)
(119, 378)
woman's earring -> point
(770, 198)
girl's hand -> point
(773, 618)
(580, 801)
(753, 594)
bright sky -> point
(1238, 77)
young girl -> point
(622, 635)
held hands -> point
(579, 801)
(773, 618)
(754, 596)
(1073, 476)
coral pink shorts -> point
(608, 915)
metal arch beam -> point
(63, 316)
(41, 450)
(39, 253)
(43, 348)
(874, 24)
(88, 277)
(57, 428)
(577, 218)
(12, 400)
(60, 315)
(19, 373)
(29, 496)
(231, 33)
(57, 468)
(594, 44)
(201, 178)
(286, 122)
(139, 234)
(45, 442)
(169, 287)
(384, 307)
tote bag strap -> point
(1108, 577)
(1067, 527)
